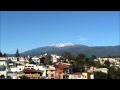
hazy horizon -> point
(27, 30)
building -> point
(3, 68)
(76, 75)
(61, 71)
(30, 73)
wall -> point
(75, 76)
(3, 63)
(14, 69)
(58, 73)
(84, 76)
(3, 73)
(12, 75)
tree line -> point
(80, 61)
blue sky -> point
(27, 30)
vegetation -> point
(3, 55)
(47, 59)
(2, 76)
(17, 53)
(0, 54)
(81, 61)
(23, 77)
(100, 75)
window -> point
(52, 75)
(56, 74)
(79, 76)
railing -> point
(30, 75)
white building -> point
(104, 70)
(76, 75)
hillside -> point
(99, 51)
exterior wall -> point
(104, 70)
(84, 76)
(3, 73)
(54, 58)
(91, 69)
(14, 69)
(3, 58)
(92, 76)
(22, 59)
(31, 75)
(58, 73)
(3, 63)
(75, 76)
(12, 75)
(20, 68)
(49, 72)
(14, 59)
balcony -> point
(30, 75)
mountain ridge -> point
(99, 51)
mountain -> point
(99, 51)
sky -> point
(28, 30)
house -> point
(94, 69)
(54, 58)
(21, 59)
(3, 71)
(50, 72)
(104, 70)
(3, 58)
(36, 59)
(11, 75)
(58, 73)
(61, 71)
(84, 75)
(76, 75)
(30, 73)
(15, 59)
(41, 60)
(4, 62)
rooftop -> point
(29, 70)
(76, 73)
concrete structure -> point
(3, 71)
(76, 75)
(12, 75)
(84, 75)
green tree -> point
(17, 53)
(93, 57)
(107, 63)
(4, 55)
(47, 59)
(2, 76)
(90, 63)
(24, 77)
(113, 73)
(100, 75)
(1, 54)
(80, 57)
(69, 56)
(98, 65)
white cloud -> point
(83, 39)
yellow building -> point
(84, 75)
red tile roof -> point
(62, 66)
(77, 73)
(29, 70)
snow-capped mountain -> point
(62, 45)
(58, 49)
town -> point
(53, 66)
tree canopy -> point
(17, 53)
(1, 54)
